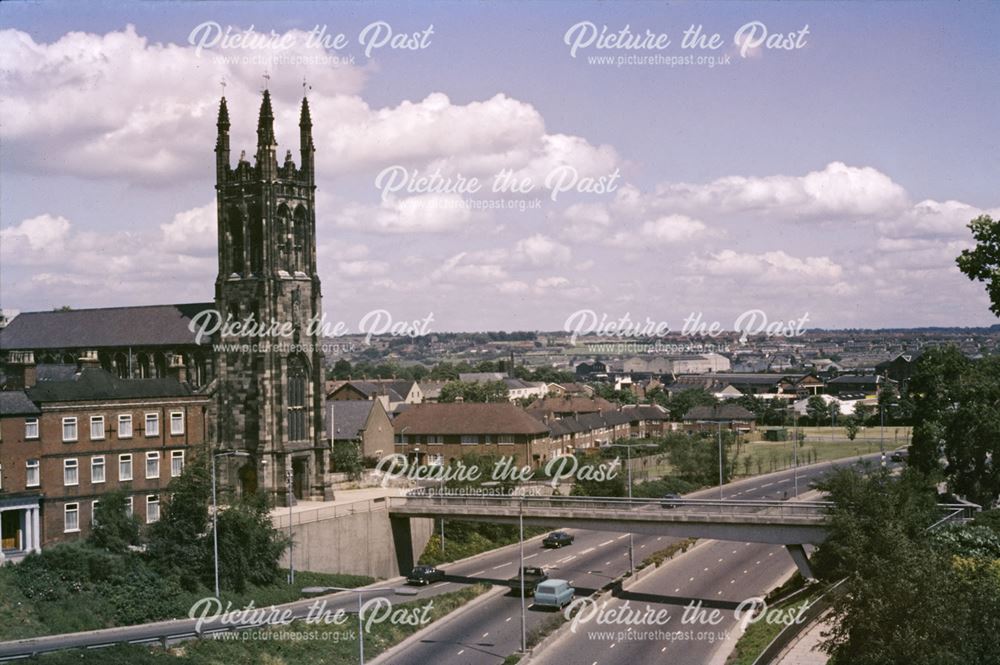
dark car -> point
(670, 500)
(557, 539)
(533, 576)
(899, 456)
(423, 575)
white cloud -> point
(192, 231)
(838, 191)
(667, 230)
(776, 266)
(426, 213)
(541, 250)
(33, 238)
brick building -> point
(65, 443)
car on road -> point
(533, 576)
(554, 593)
(670, 500)
(423, 575)
(899, 455)
(557, 539)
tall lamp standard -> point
(291, 542)
(628, 456)
(215, 511)
(360, 591)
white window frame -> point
(97, 461)
(33, 465)
(435, 440)
(131, 469)
(151, 456)
(122, 419)
(97, 420)
(176, 455)
(176, 417)
(505, 439)
(153, 418)
(74, 464)
(151, 500)
(31, 424)
(93, 511)
(470, 439)
(66, 512)
(129, 505)
(70, 421)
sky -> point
(818, 159)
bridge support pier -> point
(801, 560)
(402, 540)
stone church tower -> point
(270, 399)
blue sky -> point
(890, 106)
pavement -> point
(804, 650)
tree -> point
(114, 529)
(956, 428)
(341, 370)
(817, 410)
(346, 458)
(249, 545)
(178, 543)
(685, 400)
(863, 413)
(852, 427)
(983, 262)
(906, 598)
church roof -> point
(145, 325)
(97, 384)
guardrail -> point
(280, 520)
(431, 500)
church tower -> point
(269, 396)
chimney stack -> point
(177, 369)
(23, 371)
(88, 360)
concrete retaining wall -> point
(360, 543)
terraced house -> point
(66, 441)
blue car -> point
(554, 593)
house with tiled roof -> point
(442, 433)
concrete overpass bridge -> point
(793, 524)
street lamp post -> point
(520, 523)
(361, 634)
(628, 457)
(215, 512)
(291, 541)
(721, 482)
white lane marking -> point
(690, 579)
(758, 563)
(641, 546)
(768, 485)
(625, 535)
(720, 593)
(706, 570)
(485, 634)
(745, 572)
(587, 551)
(720, 560)
(607, 563)
(507, 619)
(770, 553)
(479, 572)
(606, 542)
(531, 555)
(732, 581)
(677, 590)
(503, 564)
(663, 649)
(734, 551)
(659, 538)
(460, 652)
